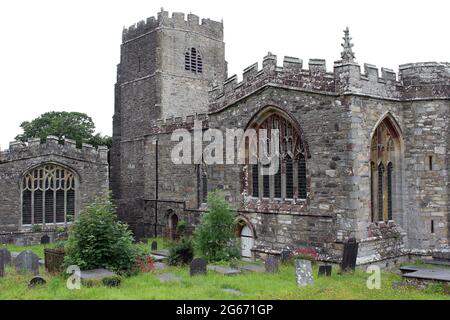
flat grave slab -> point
(169, 277)
(158, 258)
(253, 268)
(409, 269)
(429, 274)
(438, 262)
(162, 252)
(227, 271)
(96, 274)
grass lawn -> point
(251, 285)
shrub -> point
(306, 254)
(98, 240)
(145, 263)
(113, 281)
(215, 235)
(181, 252)
(181, 227)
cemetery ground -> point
(247, 285)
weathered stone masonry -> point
(88, 165)
(337, 112)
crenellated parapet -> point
(418, 80)
(168, 125)
(52, 146)
(178, 20)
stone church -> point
(363, 155)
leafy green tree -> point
(98, 240)
(72, 125)
(214, 237)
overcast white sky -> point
(62, 54)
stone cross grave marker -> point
(6, 256)
(303, 272)
(27, 261)
(325, 270)
(197, 266)
(350, 254)
(272, 264)
(154, 246)
(45, 239)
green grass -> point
(252, 286)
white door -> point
(247, 242)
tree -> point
(71, 125)
(214, 237)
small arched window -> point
(193, 61)
(48, 195)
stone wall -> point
(88, 164)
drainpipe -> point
(156, 184)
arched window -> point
(385, 147)
(48, 195)
(193, 61)
(289, 181)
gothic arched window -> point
(48, 195)
(384, 154)
(289, 181)
(193, 61)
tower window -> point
(430, 163)
(193, 61)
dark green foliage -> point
(181, 252)
(98, 240)
(215, 235)
(72, 125)
(113, 281)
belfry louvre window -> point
(193, 61)
(48, 196)
(289, 181)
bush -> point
(306, 254)
(215, 235)
(98, 240)
(181, 252)
(113, 281)
(181, 227)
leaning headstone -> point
(36, 281)
(350, 254)
(27, 261)
(154, 246)
(325, 270)
(45, 239)
(271, 264)
(6, 256)
(303, 271)
(197, 266)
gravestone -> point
(350, 254)
(154, 246)
(285, 255)
(45, 239)
(197, 266)
(169, 277)
(271, 264)
(2, 266)
(36, 281)
(325, 270)
(6, 256)
(303, 272)
(27, 261)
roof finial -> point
(347, 54)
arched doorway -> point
(247, 242)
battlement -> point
(67, 148)
(346, 77)
(178, 20)
(173, 123)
